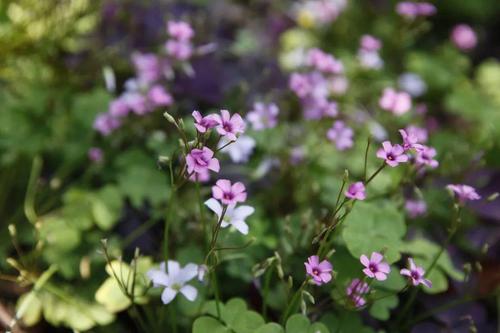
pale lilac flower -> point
(203, 176)
(412, 83)
(370, 59)
(180, 50)
(464, 192)
(425, 157)
(375, 267)
(341, 135)
(201, 160)
(136, 102)
(415, 208)
(300, 85)
(118, 108)
(397, 102)
(203, 124)
(426, 9)
(339, 85)
(234, 216)
(419, 132)
(411, 10)
(356, 191)
(95, 154)
(416, 274)
(297, 155)
(158, 96)
(229, 126)
(105, 123)
(174, 278)
(202, 271)
(392, 154)
(147, 66)
(321, 272)
(370, 43)
(240, 150)
(180, 30)
(464, 37)
(263, 116)
(324, 62)
(410, 141)
(355, 290)
(227, 193)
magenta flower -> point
(118, 108)
(355, 290)
(229, 194)
(411, 10)
(356, 191)
(464, 37)
(147, 67)
(95, 154)
(397, 102)
(203, 176)
(324, 62)
(300, 84)
(320, 272)
(203, 124)
(341, 135)
(415, 208)
(419, 132)
(410, 141)
(158, 96)
(416, 274)
(229, 126)
(263, 116)
(370, 43)
(180, 50)
(425, 157)
(464, 192)
(200, 160)
(180, 30)
(136, 102)
(393, 155)
(105, 123)
(375, 267)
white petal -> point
(173, 268)
(189, 292)
(224, 224)
(242, 212)
(158, 277)
(241, 226)
(214, 206)
(168, 295)
(188, 273)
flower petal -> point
(168, 295)
(189, 292)
(214, 206)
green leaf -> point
(318, 328)
(247, 322)
(111, 296)
(232, 309)
(374, 227)
(381, 309)
(270, 328)
(106, 206)
(209, 325)
(297, 324)
(32, 308)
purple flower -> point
(118, 108)
(395, 101)
(229, 125)
(147, 66)
(341, 135)
(464, 37)
(415, 208)
(426, 9)
(263, 116)
(180, 50)
(410, 141)
(464, 192)
(105, 123)
(356, 191)
(300, 85)
(355, 290)
(324, 62)
(375, 267)
(393, 155)
(227, 193)
(411, 10)
(413, 84)
(203, 176)
(425, 157)
(416, 274)
(419, 132)
(203, 124)
(158, 96)
(95, 154)
(320, 272)
(136, 102)
(180, 30)
(201, 160)
(370, 59)
(370, 43)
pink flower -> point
(370, 43)
(324, 62)
(411, 10)
(320, 272)
(426, 9)
(341, 135)
(118, 108)
(263, 116)
(419, 132)
(180, 30)
(395, 101)
(229, 194)
(425, 157)
(416, 274)
(300, 84)
(410, 141)
(147, 66)
(203, 124)
(356, 290)
(159, 96)
(356, 191)
(415, 208)
(229, 125)
(464, 37)
(393, 155)
(375, 267)
(105, 123)
(200, 160)
(464, 192)
(95, 154)
(203, 176)
(136, 102)
(180, 50)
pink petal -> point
(376, 257)
(380, 276)
(325, 266)
(384, 267)
(325, 277)
(224, 184)
(364, 260)
(368, 272)
(217, 192)
(405, 271)
(238, 187)
(387, 146)
(214, 165)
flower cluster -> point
(368, 52)
(411, 10)
(356, 291)
(179, 46)
(263, 116)
(341, 135)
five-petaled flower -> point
(234, 216)
(416, 274)
(201, 160)
(341, 135)
(174, 279)
(321, 272)
(425, 157)
(375, 267)
(356, 191)
(229, 126)
(464, 192)
(392, 154)
(203, 124)
(227, 193)
(410, 141)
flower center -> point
(315, 271)
(227, 127)
(390, 157)
(373, 268)
(415, 275)
(228, 196)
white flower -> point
(413, 84)
(234, 216)
(174, 279)
(240, 150)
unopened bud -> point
(169, 117)
(492, 196)
(12, 230)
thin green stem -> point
(265, 293)
(215, 286)
(375, 173)
(29, 201)
(366, 158)
(293, 303)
